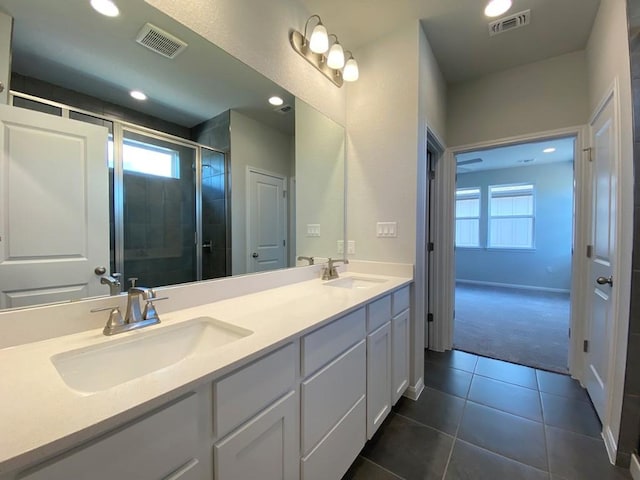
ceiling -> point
(68, 44)
(512, 156)
(458, 30)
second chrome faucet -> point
(330, 272)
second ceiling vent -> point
(160, 41)
(511, 22)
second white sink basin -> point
(106, 365)
(355, 283)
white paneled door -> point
(266, 221)
(54, 208)
(599, 333)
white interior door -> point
(54, 208)
(266, 221)
(605, 162)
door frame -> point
(442, 338)
(285, 209)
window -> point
(468, 217)
(511, 217)
(140, 157)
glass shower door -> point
(159, 213)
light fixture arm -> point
(306, 25)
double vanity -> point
(282, 382)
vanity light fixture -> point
(138, 95)
(549, 150)
(276, 101)
(329, 61)
(497, 7)
(105, 7)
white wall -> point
(537, 97)
(608, 58)
(433, 90)
(320, 151)
(257, 33)
(6, 25)
(257, 145)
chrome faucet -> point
(134, 317)
(113, 281)
(308, 259)
(330, 272)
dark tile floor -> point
(484, 419)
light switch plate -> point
(351, 247)
(387, 229)
(313, 230)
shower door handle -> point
(605, 280)
(208, 245)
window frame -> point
(474, 196)
(532, 215)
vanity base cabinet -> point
(266, 447)
(161, 446)
(378, 377)
(399, 355)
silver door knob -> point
(100, 270)
(605, 280)
(254, 255)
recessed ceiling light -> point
(105, 7)
(549, 150)
(276, 101)
(138, 95)
(497, 7)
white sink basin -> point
(108, 364)
(355, 283)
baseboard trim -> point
(513, 286)
(610, 443)
(413, 392)
(635, 467)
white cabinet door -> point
(266, 447)
(378, 377)
(399, 355)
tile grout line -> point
(383, 468)
(544, 428)
(455, 436)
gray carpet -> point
(519, 326)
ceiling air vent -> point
(160, 41)
(511, 22)
(283, 109)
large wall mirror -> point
(203, 179)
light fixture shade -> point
(105, 7)
(335, 58)
(319, 41)
(497, 7)
(351, 72)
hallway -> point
(483, 419)
(519, 326)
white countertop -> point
(41, 416)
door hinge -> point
(284, 243)
(569, 332)
(432, 175)
(590, 150)
(430, 247)
(284, 194)
(429, 317)
(589, 251)
(585, 346)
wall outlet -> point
(340, 248)
(387, 229)
(351, 247)
(313, 230)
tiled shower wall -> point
(629, 440)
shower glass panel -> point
(215, 241)
(158, 210)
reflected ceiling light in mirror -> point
(276, 101)
(497, 7)
(549, 150)
(335, 57)
(105, 7)
(138, 95)
(328, 61)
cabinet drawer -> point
(337, 451)
(330, 393)
(158, 446)
(378, 313)
(245, 392)
(326, 343)
(401, 301)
